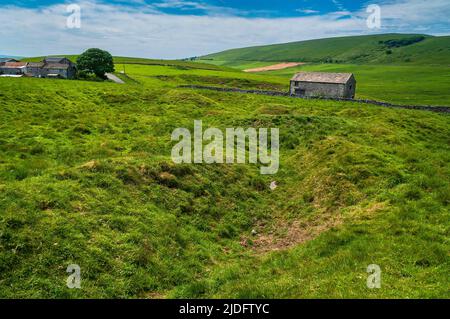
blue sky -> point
(249, 8)
(177, 29)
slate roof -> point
(53, 59)
(322, 77)
(56, 66)
(36, 64)
(14, 65)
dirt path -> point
(114, 78)
(274, 67)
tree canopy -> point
(96, 61)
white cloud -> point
(179, 4)
(307, 11)
(338, 5)
(145, 32)
(192, 5)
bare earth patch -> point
(298, 232)
(293, 234)
(274, 67)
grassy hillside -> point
(400, 84)
(385, 48)
(9, 56)
(417, 85)
(86, 178)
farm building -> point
(13, 68)
(34, 69)
(322, 84)
(55, 67)
(52, 67)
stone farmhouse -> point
(12, 67)
(50, 67)
(323, 84)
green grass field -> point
(410, 85)
(401, 84)
(86, 178)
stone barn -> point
(13, 68)
(35, 69)
(322, 84)
(52, 67)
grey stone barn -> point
(322, 84)
(52, 67)
(12, 68)
(34, 69)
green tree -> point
(95, 61)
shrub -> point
(402, 42)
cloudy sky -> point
(178, 29)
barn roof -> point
(54, 59)
(322, 77)
(35, 64)
(14, 65)
(56, 66)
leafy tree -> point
(95, 61)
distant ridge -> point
(382, 48)
(142, 61)
(10, 56)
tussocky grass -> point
(86, 178)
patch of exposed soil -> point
(274, 67)
(286, 236)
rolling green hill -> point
(10, 56)
(86, 178)
(142, 61)
(381, 49)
